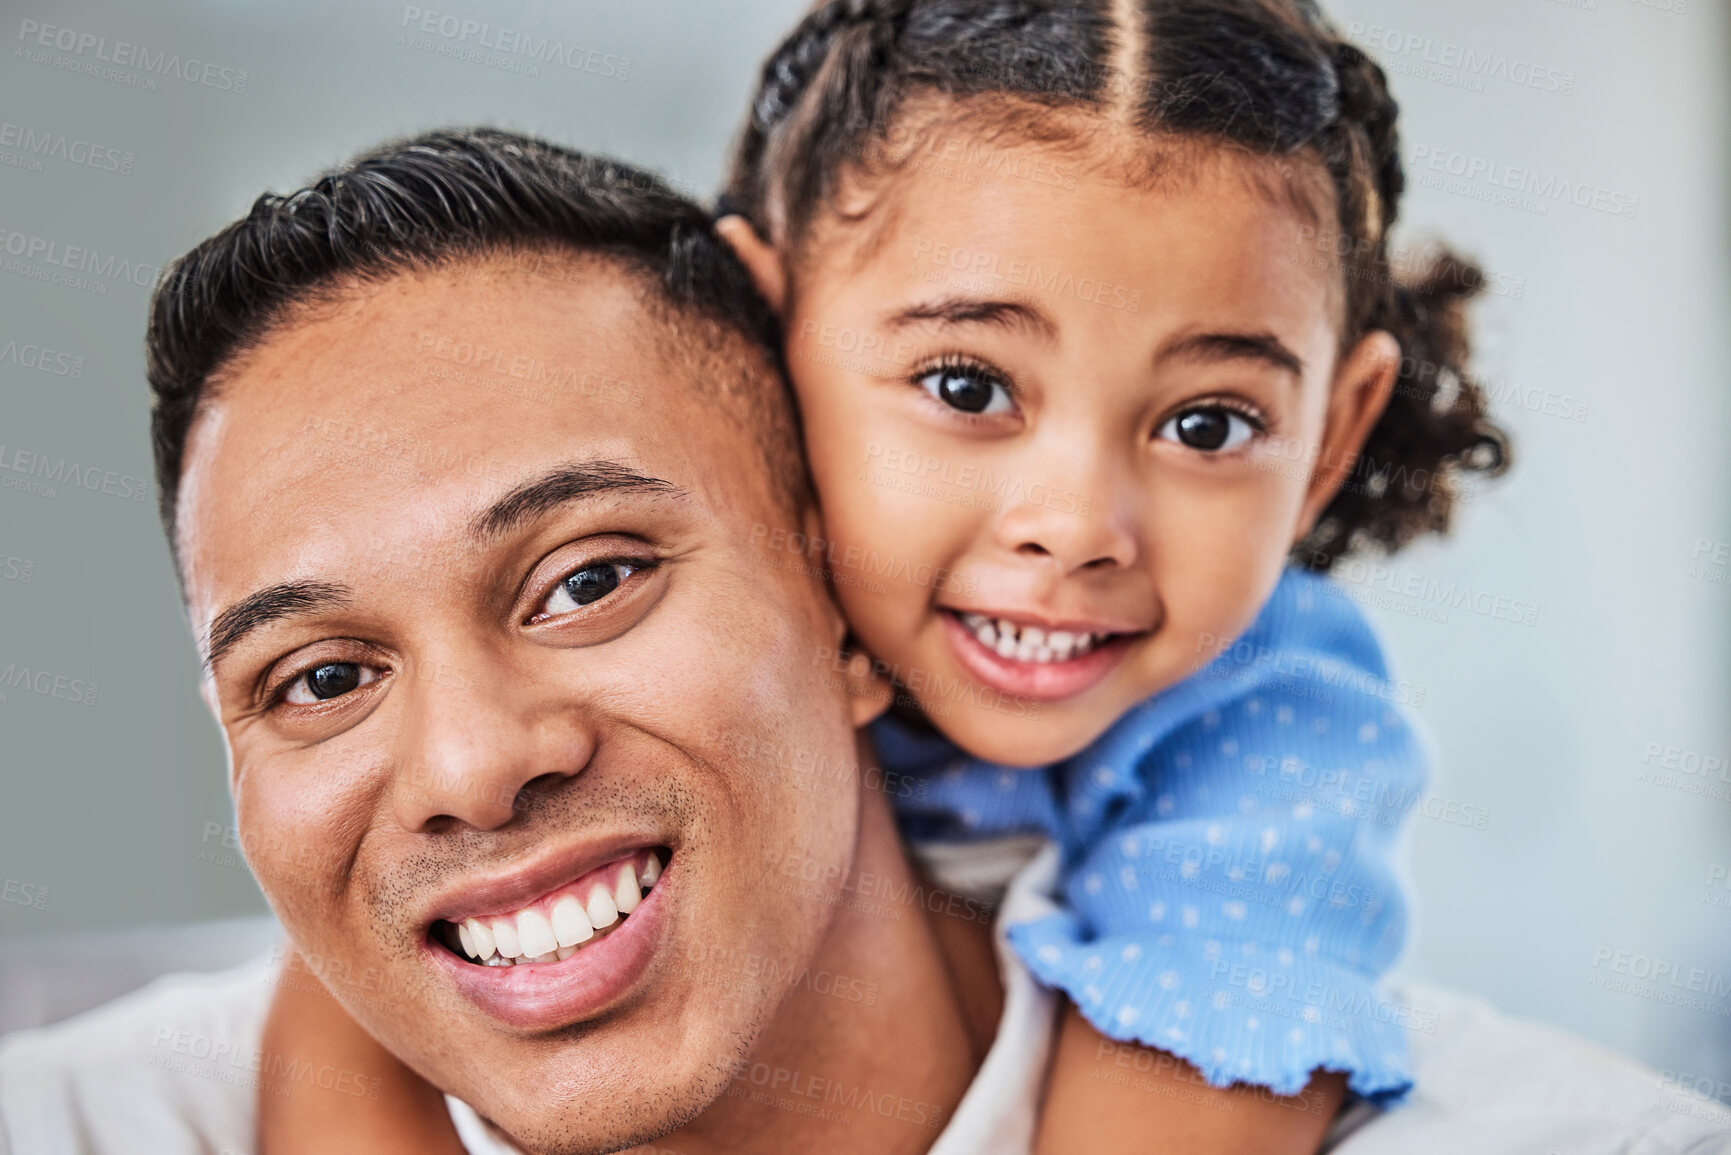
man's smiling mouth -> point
(561, 922)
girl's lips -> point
(1042, 681)
(548, 996)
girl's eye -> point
(331, 680)
(1209, 428)
(968, 388)
(587, 586)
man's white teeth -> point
(480, 937)
(600, 908)
(1028, 643)
(570, 925)
(626, 893)
(505, 936)
(536, 936)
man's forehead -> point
(408, 404)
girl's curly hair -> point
(1269, 76)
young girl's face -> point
(1065, 430)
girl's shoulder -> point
(1314, 613)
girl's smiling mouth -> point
(1016, 656)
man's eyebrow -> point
(1216, 347)
(273, 603)
(1002, 314)
(561, 485)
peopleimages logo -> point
(29, 355)
(69, 262)
(86, 50)
(35, 146)
(1532, 190)
(59, 471)
(513, 45)
(1478, 64)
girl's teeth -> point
(533, 935)
(1028, 643)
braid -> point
(818, 98)
(834, 86)
(1364, 101)
(789, 71)
(1437, 422)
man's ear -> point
(761, 259)
(1362, 386)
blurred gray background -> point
(1593, 740)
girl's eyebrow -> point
(962, 310)
(1215, 347)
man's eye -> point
(1210, 428)
(972, 389)
(587, 586)
(331, 680)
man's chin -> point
(586, 1097)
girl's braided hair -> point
(1268, 76)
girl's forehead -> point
(1070, 183)
(948, 151)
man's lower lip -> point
(1039, 681)
(547, 996)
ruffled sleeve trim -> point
(1241, 1015)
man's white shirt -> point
(177, 1068)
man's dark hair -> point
(446, 197)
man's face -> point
(473, 554)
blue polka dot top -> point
(1229, 889)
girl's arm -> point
(1106, 1097)
(326, 1086)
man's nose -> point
(471, 741)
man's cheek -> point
(300, 832)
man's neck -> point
(870, 1051)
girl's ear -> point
(1362, 386)
(761, 259)
(868, 694)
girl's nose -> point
(1078, 531)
